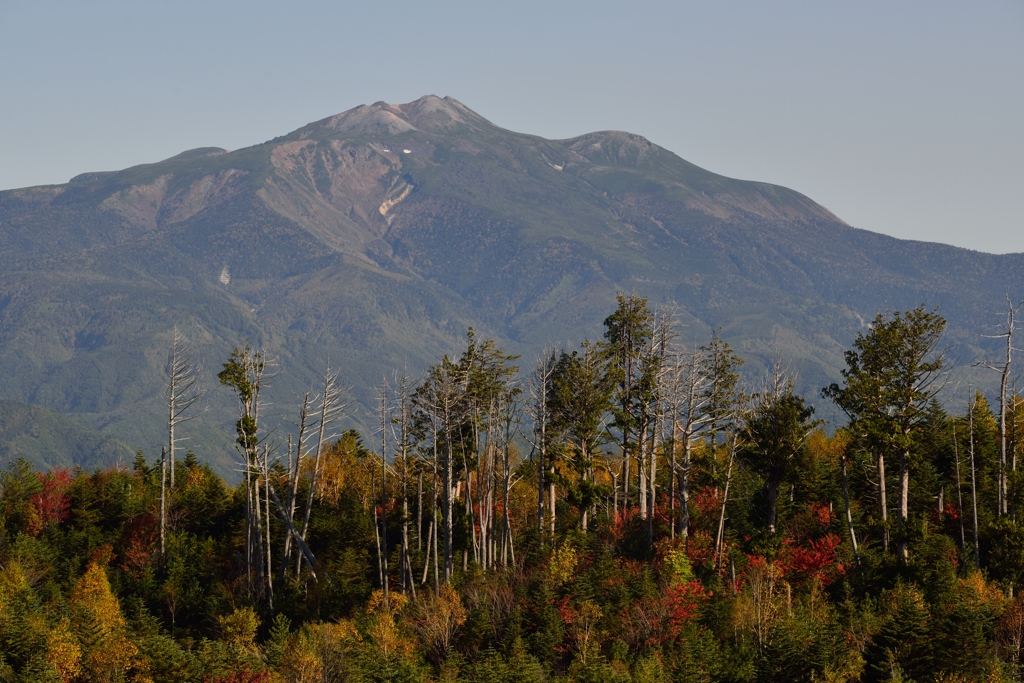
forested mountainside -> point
(667, 523)
(49, 439)
(373, 239)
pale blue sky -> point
(901, 117)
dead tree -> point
(182, 393)
(1004, 372)
(294, 465)
(974, 480)
(690, 397)
(331, 408)
(540, 414)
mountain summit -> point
(372, 239)
(429, 114)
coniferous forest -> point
(627, 510)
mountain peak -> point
(429, 113)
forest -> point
(628, 510)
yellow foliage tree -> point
(107, 653)
(63, 652)
(13, 586)
(345, 467)
(318, 652)
(438, 619)
(382, 629)
(238, 632)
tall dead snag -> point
(182, 393)
(438, 402)
(846, 500)
(734, 443)
(690, 398)
(959, 498)
(385, 422)
(243, 373)
(163, 499)
(294, 464)
(1004, 379)
(331, 407)
(974, 479)
(404, 450)
(655, 374)
(540, 389)
(509, 414)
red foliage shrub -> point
(53, 503)
(138, 542)
(661, 618)
(821, 514)
(815, 560)
(243, 676)
(706, 503)
(102, 554)
(701, 548)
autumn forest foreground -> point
(628, 510)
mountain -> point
(372, 239)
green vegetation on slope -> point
(50, 440)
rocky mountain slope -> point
(372, 239)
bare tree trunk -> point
(720, 538)
(426, 564)
(328, 407)
(672, 477)
(407, 577)
(1012, 494)
(163, 501)
(904, 500)
(684, 490)
(449, 560)
(959, 498)
(506, 486)
(540, 490)
(419, 510)
(641, 469)
(653, 482)
(615, 495)
(248, 520)
(434, 512)
(974, 487)
(1002, 502)
(846, 500)
(182, 393)
(258, 530)
(883, 507)
(266, 501)
(773, 499)
(383, 486)
(376, 530)
(552, 499)
(294, 469)
(542, 377)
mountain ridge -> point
(377, 235)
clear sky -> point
(901, 117)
